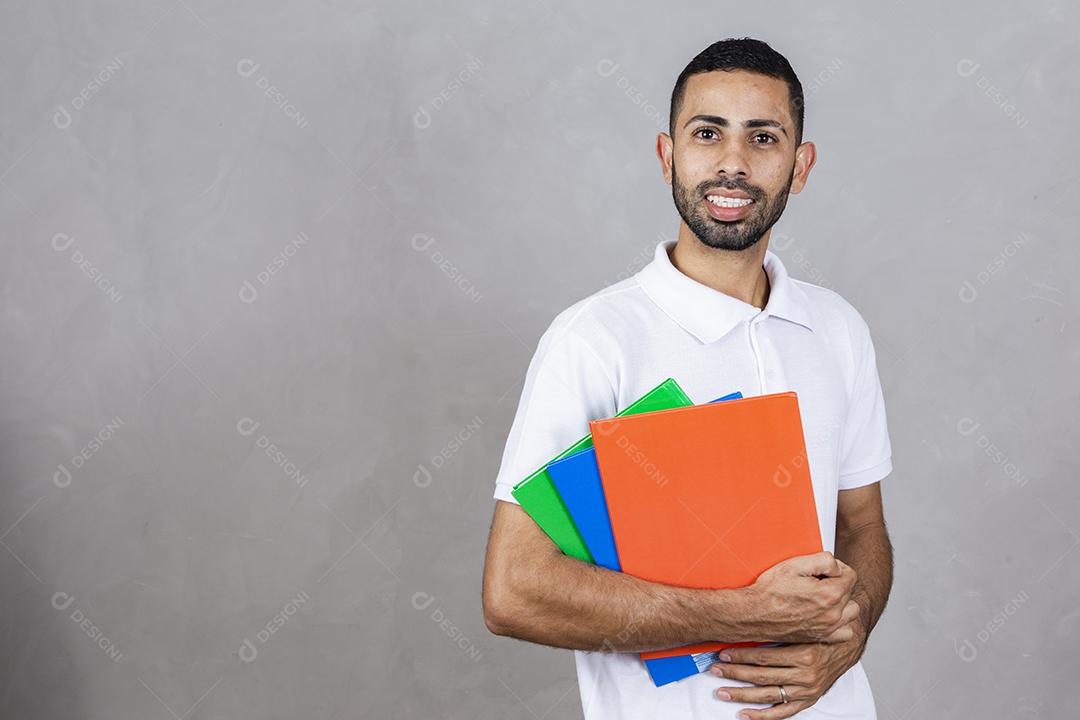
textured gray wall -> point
(273, 273)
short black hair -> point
(741, 54)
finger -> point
(757, 674)
(764, 695)
(845, 578)
(847, 616)
(847, 573)
(816, 564)
(851, 611)
(845, 633)
(842, 634)
(781, 656)
(776, 712)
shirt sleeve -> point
(866, 455)
(566, 385)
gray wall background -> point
(273, 273)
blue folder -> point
(677, 667)
(577, 478)
(669, 669)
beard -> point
(736, 234)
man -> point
(717, 311)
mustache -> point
(753, 192)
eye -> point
(704, 130)
(771, 137)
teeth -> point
(722, 201)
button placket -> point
(756, 350)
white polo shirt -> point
(607, 350)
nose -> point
(731, 160)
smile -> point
(726, 202)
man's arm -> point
(862, 541)
(533, 592)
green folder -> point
(540, 499)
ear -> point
(664, 151)
(805, 157)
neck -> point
(738, 273)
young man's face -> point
(734, 137)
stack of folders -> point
(699, 496)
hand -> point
(806, 670)
(803, 599)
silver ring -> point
(783, 694)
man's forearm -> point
(570, 604)
(869, 552)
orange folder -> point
(708, 496)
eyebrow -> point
(723, 122)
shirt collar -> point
(709, 314)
